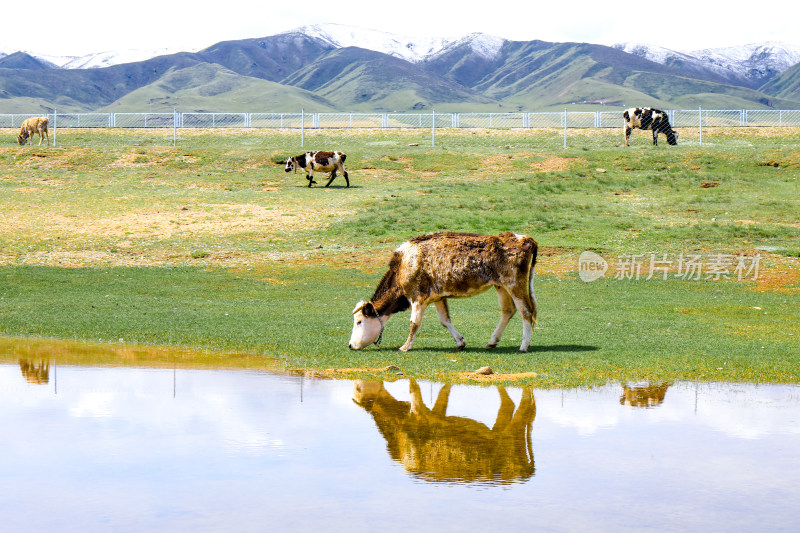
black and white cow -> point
(647, 118)
(319, 162)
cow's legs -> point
(525, 302)
(444, 318)
(344, 173)
(528, 313)
(507, 310)
(627, 136)
(655, 137)
(310, 178)
(417, 308)
(333, 177)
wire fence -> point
(565, 128)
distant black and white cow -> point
(432, 268)
(319, 162)
(647, 118)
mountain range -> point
(341, 68)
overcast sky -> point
(85, 26)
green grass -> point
(587, 333)
(210, 245)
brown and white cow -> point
(432, 268)
(319, 162)
(31, 127)
(647, 118)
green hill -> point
(291, 71)
(209, 87)
(786, 85)
(361, 79)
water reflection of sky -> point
(122, 449)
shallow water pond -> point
(134, 449)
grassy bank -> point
(210, 245)
(588, 333)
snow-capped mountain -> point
(485, 46)
(109, 58)
(99, 59)
(751, 63)
(413, 49)
(656, 54)
(756, 60)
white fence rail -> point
(524, 120)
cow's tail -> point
(530, 264)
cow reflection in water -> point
(33, 373)
(650, 395)
(441, 448)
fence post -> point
(433, 127)
(55, 127)
(700, 115)
(174, 127)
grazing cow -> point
(438, 448)
(432, 268)
(647, 118)
(32, 126)
(319, 162)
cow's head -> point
(672, 137)
(367, 326)
(23, 137)
(291, 164)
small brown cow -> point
(319, 162)
(432, 268)
(32, 126)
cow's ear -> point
(369, 310)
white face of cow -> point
(367, 326)
(289, 165)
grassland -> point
(121, 239)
